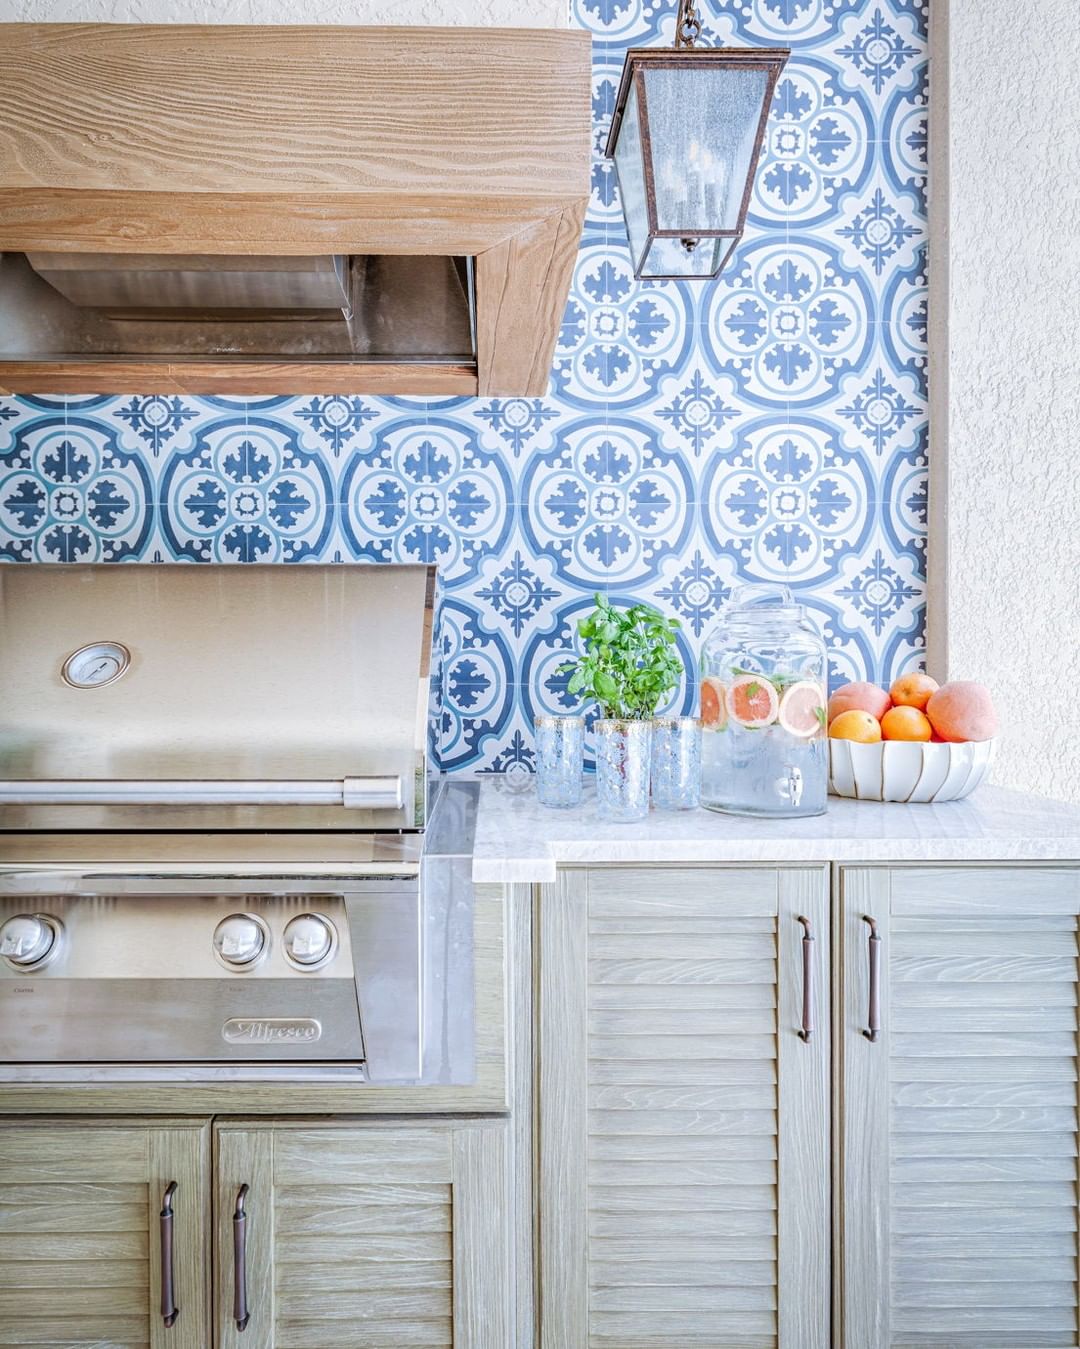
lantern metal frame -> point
(685, 56)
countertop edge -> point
(517, 842)
(544, 871)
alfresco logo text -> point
(271, 1030)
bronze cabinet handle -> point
(239, 1234)
(807, 979)
(169, 1310)
(873, 1026)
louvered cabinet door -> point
(683, 1122)
(81, 1235)
(958, 1120)
(367, 1236)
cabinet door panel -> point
(683, 1123)
(959, 1124)
(367, 1236)
(80, 1255)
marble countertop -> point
(518, 840)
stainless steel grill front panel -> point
(245, 674)
(134, 979)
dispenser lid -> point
(764, 602)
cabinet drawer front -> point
(673, 1090)
(80, 1234)
(960, 1123)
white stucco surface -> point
(480, 13)
(1010, 568)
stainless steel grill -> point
(213, 789)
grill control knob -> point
(309, 939)
(240, 939)
(26, 939)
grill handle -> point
(354, 793)
(169, 1310)
(241, 1315)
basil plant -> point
(630, 662)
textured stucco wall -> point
(1010, 567)
(504, 13)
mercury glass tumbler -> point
(560, 754)
(622, 769)
(676, 763)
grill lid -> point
(213, 697)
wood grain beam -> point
(521, 290)
(236, 377)
(264, 140)
(73, 220)
(390, 112)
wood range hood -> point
(288, 209)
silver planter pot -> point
(623, 761)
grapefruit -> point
(906, 723)
(963, 710)
(752, 701)
(713, 703)
(859, 697)
(802, 708)
(856, 725)
(913, 690)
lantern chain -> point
(687, 25)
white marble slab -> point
(518, 840)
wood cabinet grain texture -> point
(683, 1124)
(957, 1205)
(80, 1244)
(379, 1233)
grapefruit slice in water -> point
(802, 708)
(713, 703)
(752, 701)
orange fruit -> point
(859, 697)
(963, 710)
(913, 690)
(906, 723)
(802, 708)
(856, 725)
(713, 703)
(752, 701)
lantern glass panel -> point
(629, 166)
(672, 257)
(702, 128)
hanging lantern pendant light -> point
(686, 139)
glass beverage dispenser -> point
(764, 672)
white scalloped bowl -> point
(907, 770)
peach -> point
(905, 723)
(858, 697)
(913, 690)
(856, 725)
(962, 710)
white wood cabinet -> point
(364, 1236)
(370, 1235)
(81, 1256)
(683, 1122)
(958, 1121)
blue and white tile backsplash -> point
(769, 426)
